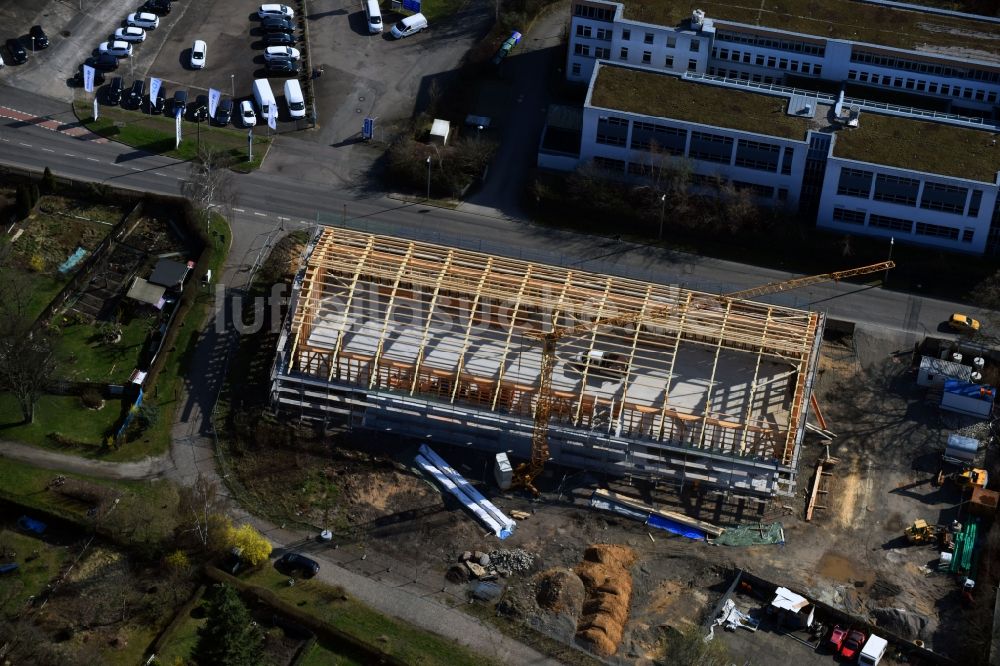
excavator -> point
(526, 473)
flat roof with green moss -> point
(668, 96)
(838, 19)
(921, 146)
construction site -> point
(443, 343)
(680, 473)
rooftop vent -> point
(697, 18)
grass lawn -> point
(65, 415)
(43, 289)
(405, 642)
(320, 655)
(86, 357)
(30, 579)
(147, 509)
(155, 134)
(181, 642)
(439, 9)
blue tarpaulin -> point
(73, 260)
(674, 527)
(7, 568)
(31, 525)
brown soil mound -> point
(559, 590)
(605, 574)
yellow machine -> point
(966, 479)
(920, 532)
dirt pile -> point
(606, 577)
(560, 590)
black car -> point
(277, 24)
(157, 105)
(135, 94)
(281, 68)
(17, 52)
(180, 102)
(223, 112)
(198, 112)
(159, 7)
(78, 78)
(113, 94)
(104, 62)
(279, 39)
(39, 39)
(291, 563)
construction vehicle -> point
(526, 473)
(920, 532)
(966, 479)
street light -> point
(663, 207)
(892, 241)
(428, 177)
(32, 43)
(232, 81)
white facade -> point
(599, 31)
(911, 206)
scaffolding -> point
(406, 334)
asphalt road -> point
(269, 200)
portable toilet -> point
(503, 473)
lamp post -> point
(32, 43)
(663, 208)
(232, 82)
(892, 241)
(428, 177)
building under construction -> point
(440, 344)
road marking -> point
(134, 168)
(48, 150)
(26, 145)
(69, 154)
(93, 159)
(161, 175)
(239, 210)
(260, 214)
(283, 218)
(76, 129)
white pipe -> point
(468, 489)
(441, 478)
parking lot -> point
(360, 74)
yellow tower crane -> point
(526, 473)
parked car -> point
(247, 115)
(143, 20)
(292, 563)
(223, 112)
(198, 52)
(39, 39)
(277, 24)
(852, 644)
(117, 48)
(281, 68)
(130, 34)
(98, 76)
(198, 111)
(280, 53)
(281, 11)
(279, 39)
(157, 105)
(18, 54)
(963, 322)
(104, 62)
(113, 93)
(410, 25)
(135, 94)
(180, 102)
(160, 7)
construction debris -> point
(752, 535)
(732, 618)
(506, 562)
(666, 520)
(606, 577)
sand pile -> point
(560, 590)
(605, 575)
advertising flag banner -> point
(177, 128)
(272, 119)
(154, 89)
(213, 101)
(88, 78)
(95, 109)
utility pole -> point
(663, 207)
(892, 241)
(428, 178)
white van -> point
(374, 16)
(293, 97)
(264, 97)
(411, 25)
(873, 651)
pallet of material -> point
(707, 528)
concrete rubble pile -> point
(477, 565)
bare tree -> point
(210, 183)
(27, 359)
(202, 511)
